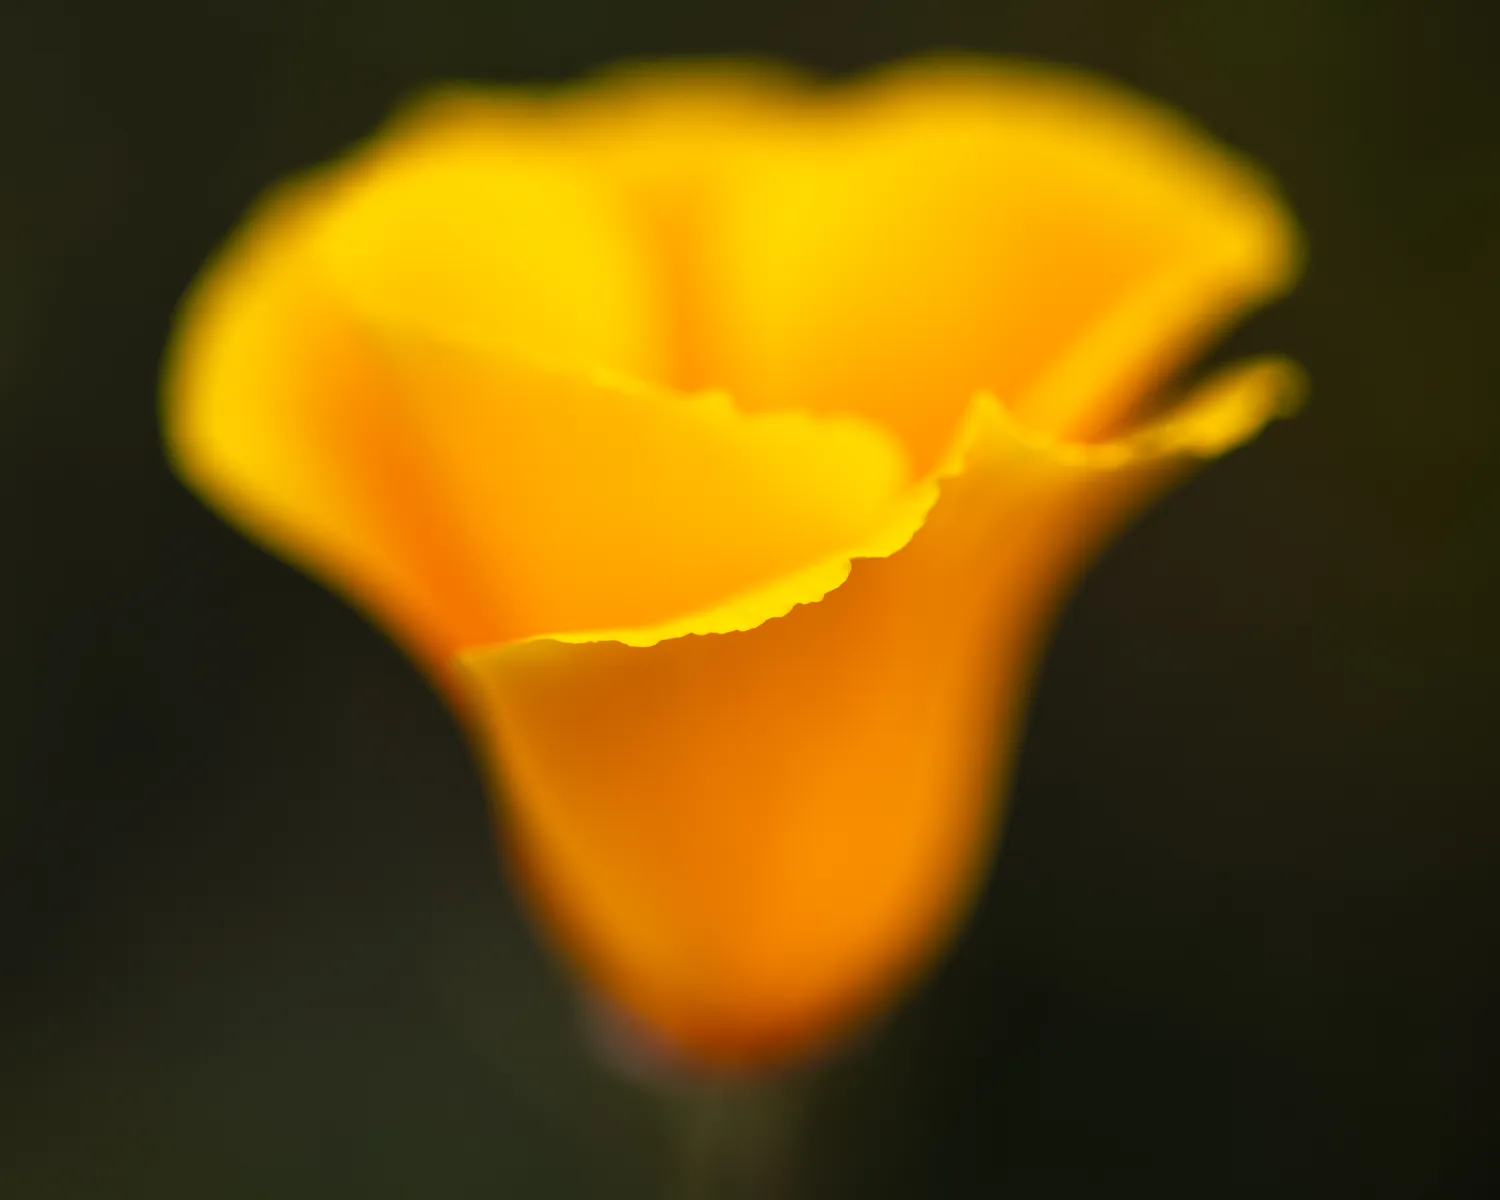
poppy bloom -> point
(721, 445)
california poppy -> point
(721, 444)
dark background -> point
(1244, 936)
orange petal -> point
(749, 839)
(468, 495)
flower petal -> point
(953, 226)
(468, 495)
(748, 839)
(886, 247)
(510, 243)
(665, 141)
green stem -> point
(735, 1140)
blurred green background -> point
(1244, 935)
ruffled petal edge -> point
(1226, 410)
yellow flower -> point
(721, 444)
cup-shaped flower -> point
(721, 444)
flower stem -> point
(734, 1140)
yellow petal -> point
(468, 495)
(885, 247)
(667, 142)
(749, 839)
(891, 246)
(514, 246)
